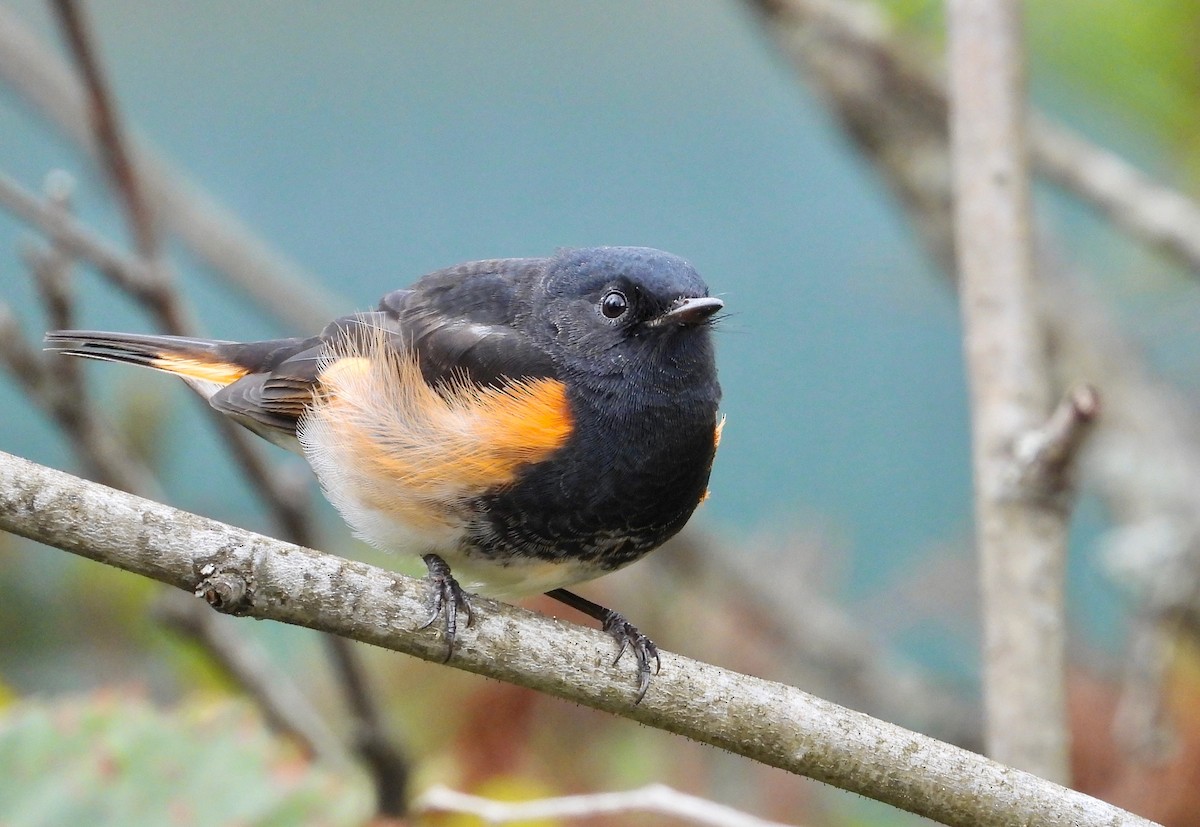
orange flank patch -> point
(222, 373)
(380, 438)
(716, 444)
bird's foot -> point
(448, 599)
(629, 638)
(622, 631)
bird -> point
(522, 425)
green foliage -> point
(113, 760)
(1137, 60)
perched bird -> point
(522, 424)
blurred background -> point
(375, 141)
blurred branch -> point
(1020, 526)
(155, 290)
(280, 287)
(1147, 210)
(106, 457)
(107, 128)
(284, 706)
(656, 798)
(801, 625)
(1046, 456)
(1144, 456)
(247, 574)
(388, 764)
(848, 48)
(73, 236)
(96, 444)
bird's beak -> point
(689, 311)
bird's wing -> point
(468, 323)
(462, 325)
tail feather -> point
(202, 363)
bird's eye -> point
(613, 304)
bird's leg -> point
(624, 632)
(448, 599)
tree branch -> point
(107, 129)
(1145, 455)
(248, 574)
(1020, 531)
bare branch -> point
(656, 799)
(281, 287)
(107, 127)
(848, 48)
(75, 238)
(95, 443)
(1145, 453)
(1021, 534)
(1146, 209)
(387, 763)
(1046, 456)
(153, 289)
(251, 266)
(252, 575)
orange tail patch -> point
(222, 373)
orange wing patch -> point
(388, 447)
(222, 373)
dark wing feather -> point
(465, 322)
(469, 322)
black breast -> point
(627, 480)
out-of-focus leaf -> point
(7, 695)
(1136, 60)
(109, 760)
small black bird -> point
(525, 424)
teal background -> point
(375, 141)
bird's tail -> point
(205, 364)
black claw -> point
(448, 599)
(643, 648)
(625, 633)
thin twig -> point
(108, 459)
(250, 265)
(288, 502)
(106, 126)
(279, 286)
(388, 765)
(656, 799)
(97, 444)
(248, 574)
(287, 499)
(1046, 457)
(152, 288)
(1020, 531)
(73, 236)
